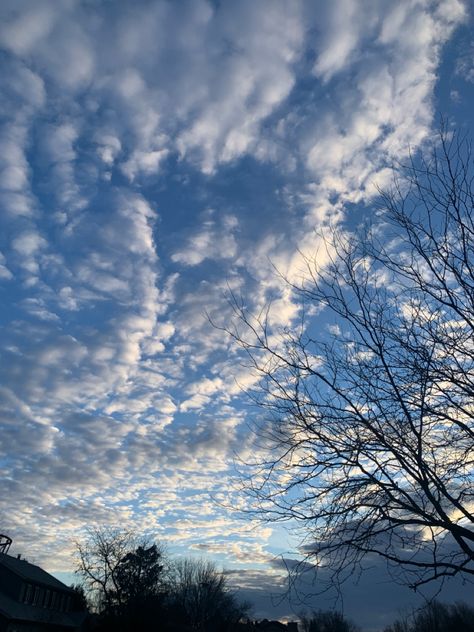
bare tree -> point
(117, 568)
(202, 597)
(98, 557)
(327, 621)
(437, 617)
(370, 406)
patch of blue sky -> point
(454, 89)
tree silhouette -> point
(139, 573)
(327, 621)
(98, 558)
(370, 416)
(79, 600)
(132, 590)
(201, 598)
(119, 569)
(437, 617)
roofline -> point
(35, 581)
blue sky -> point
(156, 154)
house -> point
(32, 600)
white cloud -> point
(465, 65)
(215, 240)
(145, 162)
(23, 33)
(341, 35)
(28, 243)
(22, 94)
(255, 76)
(108, 147)
(5, 273)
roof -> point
(267, 625)
(31, 572)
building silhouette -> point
(32, 600)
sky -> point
(155, 156)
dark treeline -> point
(433, 617)
(437, 617)
(129, 584)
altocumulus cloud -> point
(154, 155)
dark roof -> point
(267, 625)
(31, 572)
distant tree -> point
(370, 417)
(401, 625)
(437, 617)
(327, 621)
(119, 569)
(139, 574)
(132, 590)
(99, 556)
(201, 598)
(79, 602)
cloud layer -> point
(154, 156)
